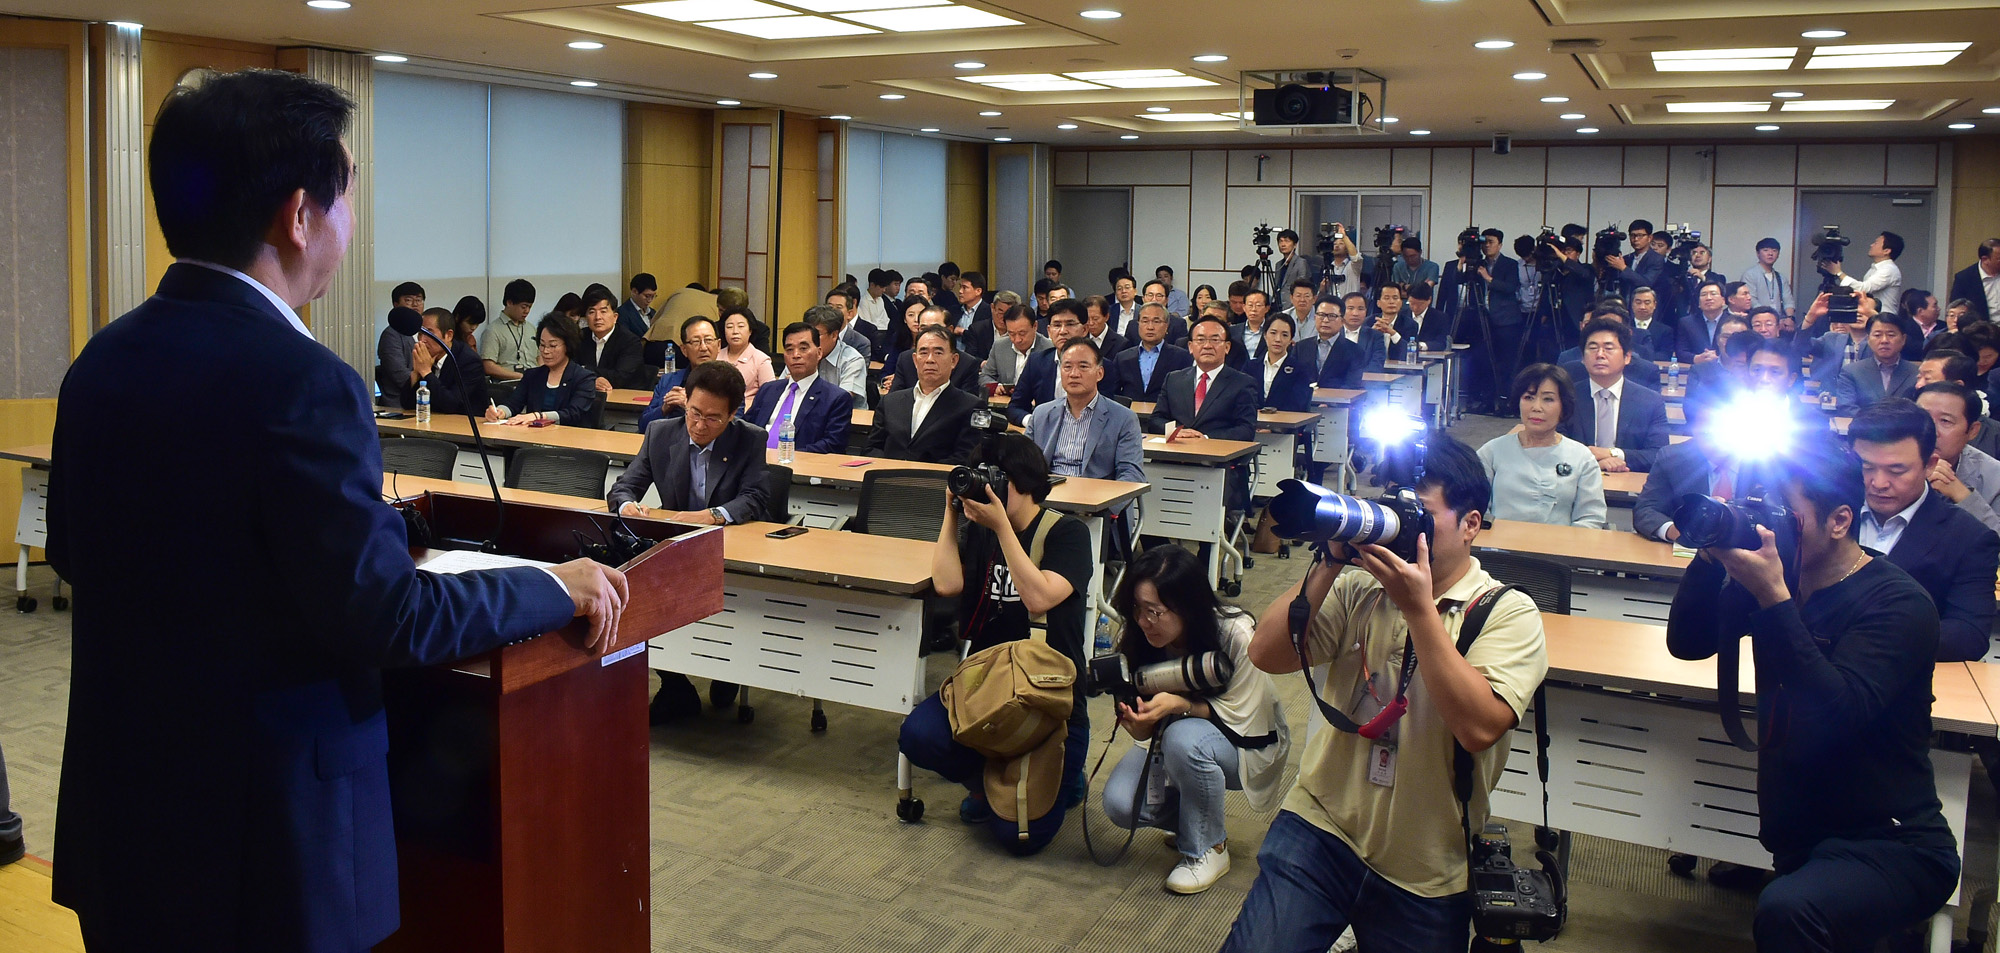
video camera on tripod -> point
(1827, 244)
(1681, 242)
(1471, 245)
(1260, 236)
(1330, 234)
(1548, 251)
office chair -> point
(903, 503)
(419, 457)
(778, 489)
(556, 470)
(1548, 582)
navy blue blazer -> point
(1642, 422)
(1678, 470)
(1132, 385)
(1969, 283)
(575, 396)
(253, 716)
(1037, 384)
(1503, 293)
(1950, 553)
(1694, 337)
(1343, 367)
(1638, 371)
(820, 416)
(1290, 390)
(1642, 271)
(735, 471)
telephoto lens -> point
(1203, 673)
(1312, 512)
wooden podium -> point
(519, 777)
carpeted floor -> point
(768, 838)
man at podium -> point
(225, 784)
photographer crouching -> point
(1372, 835)
(1844, 644)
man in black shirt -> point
(987, 566)
(1848, 806)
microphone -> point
(408, 322)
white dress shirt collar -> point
(269, 295)
(1617, 389)
(805, 383)
(1882, 535)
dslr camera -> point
(1511, 903)
(1207, 673)
(1313, 513)
(985, 483)
(1708, 523)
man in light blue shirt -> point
(1177, 301)
(1411, 267)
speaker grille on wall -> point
(1502, 144)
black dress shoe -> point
(12, 850)
(676, 699)
(722, 694)
(1730, 876)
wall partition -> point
(893, 204)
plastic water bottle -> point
(1103, 643)
(1674, 372)
(423, 402)
(670, 358)
(788, 440)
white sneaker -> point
(1195, 876)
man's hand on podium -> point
(600, 594)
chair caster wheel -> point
(1284, 552)
(1232, 589)
(1248, 562)
(745, 714)
(818, 721)
(910, 810)
(1682, 864)
(24, 603)
(60, 603)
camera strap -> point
(1728, 655)
(1461, 760)
(1301, 619)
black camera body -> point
(1828, 242)
(1708, 523)
(1315, 514)
(1110, 674)
(1260, 236)
(985, 483)
(1607, 243)
(1471, 246)
(1548, 251)
(1386, 235)
(1681, 243)
(1510, 902)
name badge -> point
(1382, 766)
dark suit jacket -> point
(735, 471)
(1114, 343)
(1953, 556)
(1969, 283)
(575, 396)
(820, 416)
(1038, 383)
(976, 339)
(1658, 340)
(1503, 293)
(1860, 384)
(946, 436)
(1642, 271)
(634, 320)
(254, 718)
(1228, 411)
(1638, 371)
(1678, 470)
(447, 394)
(394, 356)
(1694, 337)
(1343, 367)
(1642, 423)
(1290, 390)
(1130, 384)
(964, 374)
(623, 361)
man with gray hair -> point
(843, 363)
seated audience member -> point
(1282, 383)
(1122, 308)
(1142, 368)
(1087, 434)
(1097, 326)
(1697, 465)
(450, 393)
(1943, 547)
(1207, 745)
(1963, 473)
(1207, 400)
(1239, 291)
(1864, 383)
(395, 354)
(1716, 380)
(636, 314)
(1246, 340)
(1959, 311)
(561, 390)
(1923, 321)
(840, 364)
(740, 352)
(1300, 301)
(1624, 427)
(1356, 329)
(929, 422)
(964, 374)
(611, 352)
(1203, 296)
(663, 336)
(973, 317)
(1638, 370)
(1700, 334)
(990, 565)
(1846, 800)
(1737, 295)
(570, 306)
(860, 334)
(1539, 475)
(1003, 367)
(903, 334)
(1946, 364)
(1156, 292)
(820, 411)
(1653, 338)
(1174, 298)
(1038, 381)
(1335, 359)
(467, 316)
(699, 344)
(1392, 325)
(1432, 324)
(508, 348)
(1388, 856)
(1772, 372)
(708, 468)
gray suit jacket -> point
(1001, 367)
(1300, 266)
(735, 470)
(1860, 384)
(394, 358)
(1114, 452)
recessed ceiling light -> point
(763, 76)
(1835, 105)
(690, 11)
(1718, 61)
(1100, 14)
(1572, 116)
(968, 64)
(127, 25)
(926, 19)
(585, 83)
(1767, 127)
(1493, 45)
(1991, 110)
(1555, 99)
(788, 28)
(328, 4)
(1065, 125)
(1211, 58)
(1586, 130)
(1823, 34)
(1420, 132)
(729, 102)
(585, 45)
(840, 6)
(1718, 107)
(1390, 120)
(1960, 125)
(1885, 55)
(890, 96)
(1531, 74)
(929, 129)
(989, 112)
(391, 58)
(1003, 138)
(840, 117)
(1130, 136)
(1787, 94)
(1158, 109)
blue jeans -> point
(1198, 764)
(1847, 894)
(926, 740)
(1310, 887)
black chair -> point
(778, 487)
(904, 503)
(1548, 582)
(419, 457)
(596, 419)
(556, 470)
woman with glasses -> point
(560, 390)
(1539, 475)
(1200, 745)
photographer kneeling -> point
(1003, 591)
(1201, 745)
(1847, 802)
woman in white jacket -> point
(1202, 744)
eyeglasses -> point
(1595, 348)
(696, 416)
(1150, 613)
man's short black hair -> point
(1052, 263)
(1286, 234)
(799, 327)
(1044, 286)
(1770, 243)
(1827, 473)
(1352, 295)
(1524, 245)
(1455, 470)
(1495, 234)
(1893, 420)
(1019, 312)
(824, 317)
(878, 278)
(1958, 365)
(719, 378)
(1730, 289)
(1420, 291)
(565, 331)
(1169, 269)
(1198, 322)
(1305, 283)
(644, 281)
(1413, 243)
(699, 319)
(948, 269)
(1973, 409)
(847, 293)
(1893, 243)
(1762, 309)
(1259, 292)
(595, 294)
(1238, 289)
(1248, 273)
(1611, 306)
(893, 275)
(1017, 456)
(974, 279)
(521, 290)
(1720, 288)
(1884, 317)
(1613, 325)
(1573, 230)
(938, 331)
(1741, 344)
(1148, 286)
(1096, 354)
(401, 291)
(1640, 225)
(1070, 306)
(228, 154)
(1332, 299)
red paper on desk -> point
(642, 400)
(857, 463)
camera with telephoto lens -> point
(1513, 903)
(1205, 673)
(1386, 235)
(985, 483)
(1315, 514)
(1709, 523)
(1471, 245)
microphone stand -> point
(492, 543)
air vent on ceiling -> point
(1579, 45)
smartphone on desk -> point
(391, 415)
(786, 533)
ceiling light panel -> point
(1046, 86)
(789, 28)
(691, 11)
(1187, 117)
(992, 79)
(1885, 55)
(1835, 105)
(843, 6)
(1718, 107)
(1719, 61)
(925, 19)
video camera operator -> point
(1848, 806)
(1411, 266)
(1644, 268)
(1371, 835)
(1883, 279)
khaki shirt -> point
(508, 344)
(1408, 832)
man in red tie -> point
(1210, 399)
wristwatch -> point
(721, 515)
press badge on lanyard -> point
(1369, 691)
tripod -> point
(1545, 321)
(1472, 299)
(1267, 277)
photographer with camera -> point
(1644, 267)
(1014, 565)
(1844, 644)
(1372, 833)
(1701, 264)
(1411, 267)
(1883, 279)
(1291, 265)
(1223, 731)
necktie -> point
(778, 419)
(1200, 392)
(1725, 483)
(1607, 420)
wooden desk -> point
(1623, 488)
(36, 455)
(1191, 478)
(827, 557)
(1330, 446)
(403, 487)
(1583, 548)
(1205, 452)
